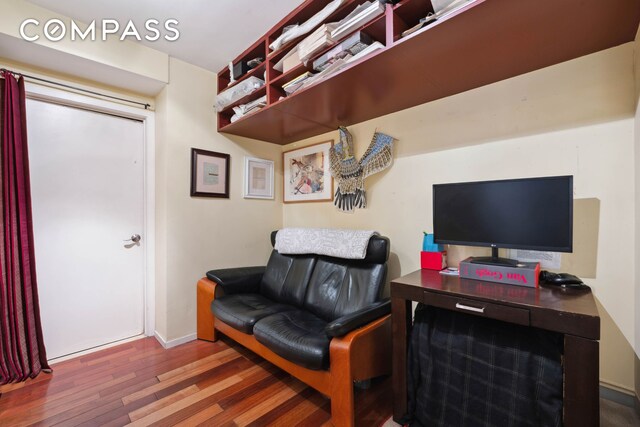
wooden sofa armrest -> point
(366, 350)
(207, 291)
(361, 354)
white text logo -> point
(55, 30)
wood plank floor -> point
(198, 383)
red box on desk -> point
(433, 260)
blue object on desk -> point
(429, 246)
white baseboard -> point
(176, 342)
(94, 349)
(618, 394)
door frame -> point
(71, 99)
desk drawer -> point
(489, 310)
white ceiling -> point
(212, 32)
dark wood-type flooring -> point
(198, 383)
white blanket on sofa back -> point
(339, 243)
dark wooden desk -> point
(572, 313)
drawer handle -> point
(469, 308)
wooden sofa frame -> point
(361, 354)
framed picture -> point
(306, 174)
(209, 174)
(258, 178)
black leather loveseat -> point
(321, 319)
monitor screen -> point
(533, 213)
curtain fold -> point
(22, 352)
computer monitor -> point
(530, 213)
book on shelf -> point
(360, 16)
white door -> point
(87, 188)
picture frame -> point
(306, 176)
(209, 174)
(258, 178)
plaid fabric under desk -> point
(465, 370)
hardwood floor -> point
(198, 383)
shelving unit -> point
(482, 43)
(375, 29)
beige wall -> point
(574, 118)
(198, 234)
(617, 358)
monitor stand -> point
(494, 259)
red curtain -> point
(22, 353)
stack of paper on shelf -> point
(339, 64)
(237, 92)
(452, 7)
(442, 6)
(423, 22)
(295, 84)
(295, 31)
(349, 47)
(250, 107)
(327, 72)
(315, 42)
(360, 16)
(445, 9)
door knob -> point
(135, 238)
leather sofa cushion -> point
(242, 311)
(337, 289)
(286, 278)
(297, 336)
